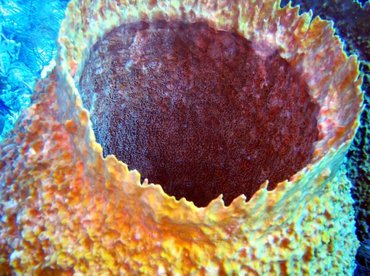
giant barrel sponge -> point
(184, 137)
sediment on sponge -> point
(198, 110)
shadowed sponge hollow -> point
(196, 110)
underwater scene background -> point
(29, 30)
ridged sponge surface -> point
(71, 201)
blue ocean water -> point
(28, 33)
(29, 29)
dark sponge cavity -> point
(197, 110)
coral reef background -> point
(27, 45)
(28, 33)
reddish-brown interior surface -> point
(197, 110)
